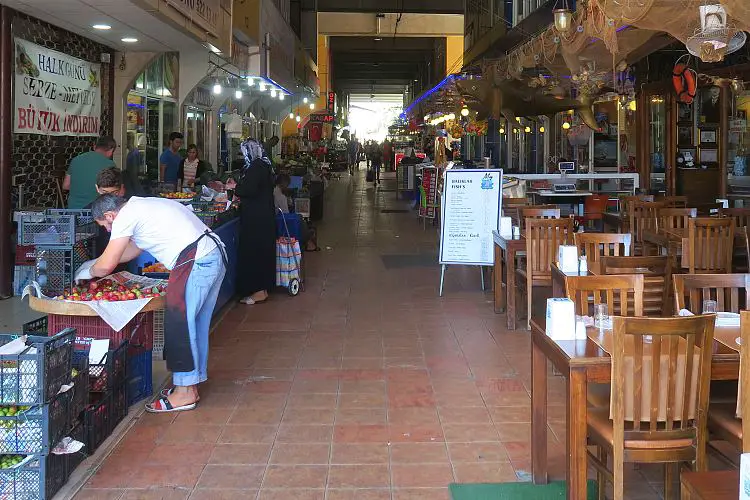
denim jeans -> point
(201, 292)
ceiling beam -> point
(410, 25)
(375, 6)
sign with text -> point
(331, 103)
(471, 211)
(204, 13)
(55, 94)
(321, 118)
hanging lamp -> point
(563, 17)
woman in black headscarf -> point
(256, 273)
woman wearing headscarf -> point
(257, 263)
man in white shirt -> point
(195, 256)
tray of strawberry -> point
(111, 291)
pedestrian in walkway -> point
(377, 162)
(81, 177)
(170, 159)
(197, 261)
(257, 266)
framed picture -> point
(685, 113)
(741, 114)
(684, 135)
(710, 105)
(709, 155)
(708, 136)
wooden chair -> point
(594, 206)
(615, 290)
(643, 215)
(657, 280)
(722, 416)
(595, 245)
(673, 201)
(669, 426)
(676, 218)
(741, 216)
(625, 203)
(730, 291)
(711, 244)
(543, 238)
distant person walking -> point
(80, 179)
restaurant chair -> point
(614, 290)
(625, 203)
(740, 258)
(675, 218)
(730, 291)
(673, 201)
(595, 245)
(741, 216)
(710, 245)
(657, 280)
(511, 206)
(543, 238)
(725, 420)
(643, 216)
(593, 208)
(641, 425)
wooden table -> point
(581, 362)
(714, 485)
(506, 248)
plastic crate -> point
(30, 379)
(37, 478)
(36, 430)
(111, 372)
(138, 332)
(80, 390)
(158, 343)
(140, 375)
(97, 422)
(119, 405)
(56, 264)
(75, 459)
(58, 229)
(22, 276)
(25, 255)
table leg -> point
(498, 291)
(538, 415)
(510, 289)
(577, 464)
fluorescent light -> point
(129, 39)
(238, 94)
(217, 88)
(273, 92)
(304, 99)
(250, 81)
(281, 96)
(377, 39)
(261, 86)
(102, 27)
(213, 48)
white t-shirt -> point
(162, 228)
(280, 200)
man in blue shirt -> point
(170, 159)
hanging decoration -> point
(715, 38)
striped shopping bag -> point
(288, 260)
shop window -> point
(739, 136)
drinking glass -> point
(601, 315)
(709, 307)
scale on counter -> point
(565, 167)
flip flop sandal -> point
(165, 393)
(162, 405)
(249, 301)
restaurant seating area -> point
(653, 368)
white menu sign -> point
(471, 211)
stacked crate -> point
(24, 270)
(35, 416)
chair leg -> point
(600, 478)
(618, 478)
(670, 473)
(529, 288)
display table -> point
(66, 308)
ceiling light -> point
(527, 129)
(566, 125)
(261, 86)
(238, 94)
(502, 130)
(129, 39)
(298, 118)
(312, 105)
(281, 96)
(250, 81)
(377, 39)
(102, 27)
(541, 129)
(291, 116)
(217, 88)
(416, 80)
(465, 112)
(273, 92)
(304, 100)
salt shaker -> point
(583, 267)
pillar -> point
(492, 142)
(6, 145)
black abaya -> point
(257, 252)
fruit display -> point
(10, 411)
(10, 461)
(110, 291)
(178, 196)
(156, 268)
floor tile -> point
(407, 453)
(231, 477)
(233, 454)
(359, 453)
(421, 475)
(295, 476)
(295, 453)
(356, 476)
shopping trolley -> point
(288, 261)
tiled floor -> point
(366, 386)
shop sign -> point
(321, 118)
(202, 97)
(55, 94)
(331, 103)
(204, 13)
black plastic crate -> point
(30, 379)
(36, 327)
(37, 429)
(140, 375)
(97, 422)
(119, 405)
(80, 390)
(108, 374)
(75, 459)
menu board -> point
(471, 211)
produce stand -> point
(64, 308)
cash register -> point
(564, 186)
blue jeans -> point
(201, 292)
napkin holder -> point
(745, 476)
(561, 319)
(506, 227)
(567, 258)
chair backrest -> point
(711, 244)
(643, 215)
(744, 395)
(730, 291)
(543, 238)
(538, 212)
(595, 205)
(595, 245)
(673, 201)
(664, 400)
(625, 201)
(613, 290)
(657, 280)
(741, 216)
(676, 218)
